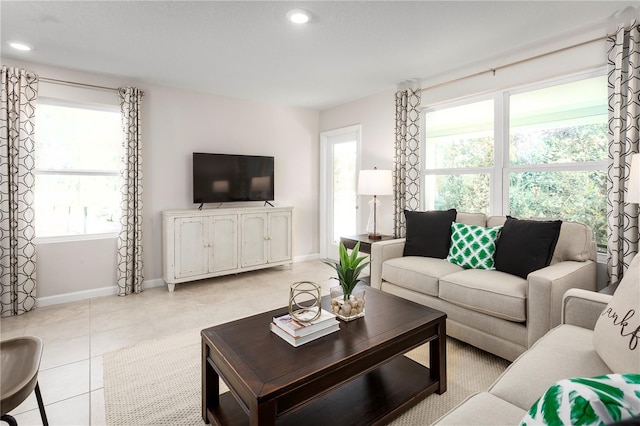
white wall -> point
(182, 123)
(376, 114)
(571, 61)
(177, 123)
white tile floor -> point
(77, 334)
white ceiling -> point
(248, 49)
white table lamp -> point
(374, 182)
(633, 184)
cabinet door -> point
(254, 239)
(191, 250)
(279, 236)
(223, 241)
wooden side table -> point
(365, 246)
(350, 241)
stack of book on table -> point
(298, 333)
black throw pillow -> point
(429, 233)
(525, 246)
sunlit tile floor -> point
(77, 334)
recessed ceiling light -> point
(299, 16)
(20, 46)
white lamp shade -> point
(633, 185)
(375, 182)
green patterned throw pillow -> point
(472, 246)
(594, 401)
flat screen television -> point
(219, 178)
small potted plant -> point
(347, 302)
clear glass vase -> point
(350, 308)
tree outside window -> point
(549, 162)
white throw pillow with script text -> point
(616, 336)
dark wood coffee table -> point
(357, 375)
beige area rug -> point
(158, 382)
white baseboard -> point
(156, 282)
(90, 294)
(75, 296)
(108, 291)
(306, 257)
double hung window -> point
(459, 157)
(536, 152)
(77, 169)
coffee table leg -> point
(263, 414)
(438, 357)
(210, 384)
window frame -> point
(77, 102)
(500, 172)
(492, 171)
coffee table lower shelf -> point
(373, 398)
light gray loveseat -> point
(566, 351)
(599, 336)
(495, 311)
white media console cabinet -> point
(199, 244)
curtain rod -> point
(510, 64)
(73, 83)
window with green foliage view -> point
(538, 152)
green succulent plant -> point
(348, 269)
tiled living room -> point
(172, 167)
(77, 334)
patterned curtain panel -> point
(406, 173)
(624, 114)
(130, 274)
(17, 232)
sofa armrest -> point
(582, 307)
(545, 289)
(380, 252)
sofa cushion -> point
(575, 242)
(587, 401)
(428, 233)
(482, 409)
(566, 351)
(526, 245)
(616, 335)
(493, 221)
(417, 273)
(491, 292)
(473, 247)
(479, 219)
